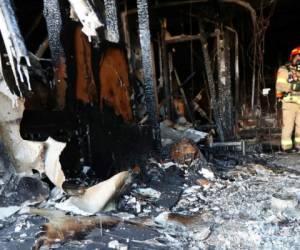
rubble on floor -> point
(183, 201)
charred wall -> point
(210, 62)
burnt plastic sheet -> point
(111, 19)
(53, 18)
(144, 33)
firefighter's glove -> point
(296, 86)
(279, 103)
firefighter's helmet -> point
(295, 51)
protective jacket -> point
(287, 77)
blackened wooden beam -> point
(150, 95)
(236, 74)
(111, 20)
(224, 83)
(54, 21)
(165, 72)
(52, 14)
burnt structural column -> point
(150, 95)
(224, 83)
(54, 20)
(111, 20)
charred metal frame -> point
(252, 12)
(209, 74)
(236, 69)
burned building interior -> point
(146, 124)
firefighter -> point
(288, 92)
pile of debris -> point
(183, 203)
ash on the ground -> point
(233, 202)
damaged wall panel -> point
(113, 75)
(85, 83)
